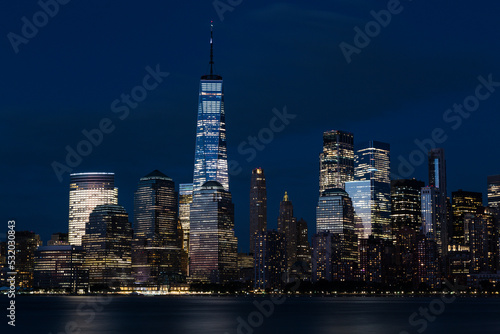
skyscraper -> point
(258, 205)
(210, 160)
(185, 200)
(287, 224)
(86, 191)
(463, 202)
(336, 162)
(373, 163)
(406, 204)
(157, 239)
(437, 179)
(270, 260)
(335, 214)
(430, 206)
(26, 244)
(212, 243)
(494, 191)
(107, 245)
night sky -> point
(397, 88)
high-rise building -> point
(463, 202)
(258, 205)
(427, 265)
(406, 204)
(322, 256)
(212, 243)
(27, 243)
(86, 191)
(335, 214)
(210, 160)
(157, 239)
(107, 244)
(430, 204)
(270, 260)
(494, 191)
(60, 267)
(287, 224)
(437, 179)
(303, 262)
(185, 200)
(336, 162)
(373, 161)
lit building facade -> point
(287, 224)
(406, 204)
(437, 179)
(336, 162)
(270, 260)
(157, 237)
(258, 205)
(212, 243)
(463, 202)
(185, 200)
(27, 243)
(210, 160)
(494, 191)
(86, 191)
(60, 267)
(107, 245)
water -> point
(234, 315)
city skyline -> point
(293, 152)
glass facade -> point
(463, 202)
(258, 205)
(212, 243)
(107, 245)
(86, 191)
(336, 162)
(60, 267)
(185, 200)
(494, 191)
(373, 161)
(437, 179)
(210, 160)
(406, 204)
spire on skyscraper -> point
(211, 47)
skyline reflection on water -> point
(194, 315)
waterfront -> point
(194, 315)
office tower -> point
(371, 251)
(335, 214)
(185, 200)
(463, 202)
(287, 224)
(405, 243)
(437, 179)
(258, 204)
(494, 191)
(372, 163)
(430, 205)
(26, 244)
(210, 160)
(86, 191)
(245, 267)
(336, 162)
(270, 260)
(481, 238)
(61, 268)
(157, 241)
(303, 250)
(322, 256)
(58, 239)
(212, 243)
(406, 204)
(427, 266)
(107, 245)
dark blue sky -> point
(396, 89)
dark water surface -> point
(189, 314)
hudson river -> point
(233, 315)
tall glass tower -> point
(86, 191)
(258, 205)
(210, 159)
(336, 162)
